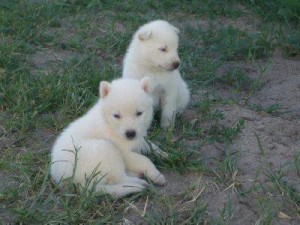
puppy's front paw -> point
(160, 180)
(165, 124)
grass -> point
(237, 79)
(232, 43)
(88, 40)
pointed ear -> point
(145, 35)
(145, 84)
(104, 89)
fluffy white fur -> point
(153, 53)
(108, 139)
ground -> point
(234, 155)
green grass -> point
(90, 38)
(283, 11)
(237, 79)
(232, 43)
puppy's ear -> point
(145, 84)
(176, 30)
(104, 89)
(145, 35)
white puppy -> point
(103, 141)
(153, 53)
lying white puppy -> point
(103, 141)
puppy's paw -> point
(165, 124)
(160, 180)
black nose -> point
(176, 64)
(130, 134)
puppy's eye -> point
(117, 116)
(163, 49)
(138, 113)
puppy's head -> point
(157, 42)
(127, 107)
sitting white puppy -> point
(153, 53)
(103, 141)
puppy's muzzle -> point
(176, 65)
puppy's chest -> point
(158, 95)
(160, 85)
(159, 91)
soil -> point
(279, 135)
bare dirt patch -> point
(268, 143)
(45, 61)
(279, 84)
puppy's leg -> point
(140, 164)
(183, 96)
(174, 101)
(168, 113)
